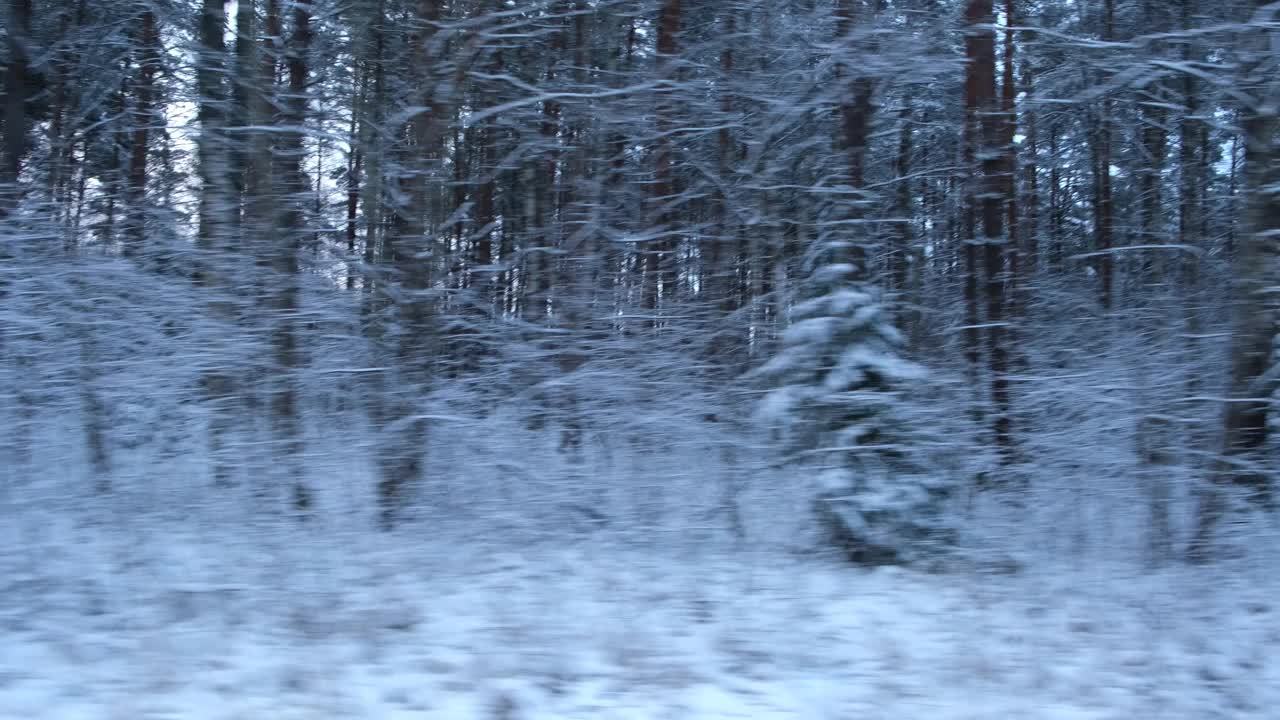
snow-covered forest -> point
(516, 359)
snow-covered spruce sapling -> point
(837, 403)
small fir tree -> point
(837, 400)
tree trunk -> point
(902, 256)
(1152, 118)
(292, 180)
(402, 455)
(990, 194)
(1057, 211)
(260, 232)
(724, 239)
(1103, 211)
(61, 135)
(243, 93)
(1031, 181)
(260, 63)
(355, 165)
(218, 215)
(542, 192)
(970, 142)
(660, 261)
(95, 423)
(142, 118)
(856, 110)
(17, 93)
(1009, 131)
(1254, 273)
(212, 142)
(371, 128)
(482, 264)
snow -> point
(280, 620)
(533, 583)
(838, 302)
(811, 330)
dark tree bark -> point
(1057, 206)
(660, 266)
(265, 238)
(542, 188)
(218, 215)
(1253, 277)
(17, 93)
(1103, 204)
(142, 119)
(355, 166)
(261, 63)
(856, 109)
(402, 455)
(1009, 131)
(1191, 164)
(371, 128)
(1153, 117)
(286, 418)
(989, 193)
(1031, 177)
(902, 255)
(240, 114)
(724, 240)
(62, 118)
(971, 139)
(212, 143)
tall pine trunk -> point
(1253, 276)
(989, 193)
(1103, 202)
(290, 178)
(402, 455)
(142, 118)
(218, 215)
(660, 262)
(16, 95)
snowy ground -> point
(133, 623)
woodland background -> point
(986, 285)
(250, 231)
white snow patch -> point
(295, 623)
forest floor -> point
(140, 620)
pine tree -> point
(838, 380)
